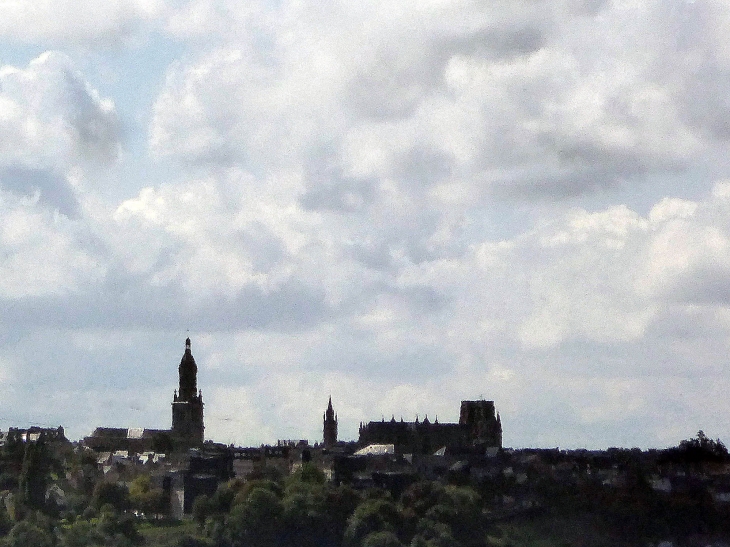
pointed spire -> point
(330, 425)
(329, 414)
(188, 372)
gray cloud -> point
(60, 21)
(53, 122)
(338, 194)
(95, 125)
(53, 189)
(500, 42)
(135, 304)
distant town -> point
(673, 496)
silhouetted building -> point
(330, 426)
(483, 423)
(479, 427)
(187, 405)
(206, 470)
(187, 420)
(133, 439)
(33, 434)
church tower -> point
(481, 422)
(187, 404)
(330, 426)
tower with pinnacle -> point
(330, 426)
(187, 404)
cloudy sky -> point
(398, 204)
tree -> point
(189, 541)
(372, 515)
(433, 534)
(5, 523)
(81, 533)
(122, 529)
(698, 450)
(201, 509)
(25, 534)
(339, 504)
(422, 495)
(145, 498)
(238, 492)
(702, 448)
(307, 473)
(110, 493)
(463, 513)
(305, 519)
(34, 475)
(255, 522)
(382, 539)
(8, 480)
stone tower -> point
(187, 404)
(330, 426)
(483, 424)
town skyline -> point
(187, 426)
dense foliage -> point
(55, 496)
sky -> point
(400, 205)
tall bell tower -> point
(187, 404)
(330, 426)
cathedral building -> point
(330, 426)
(187, 404)
(479, 427)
